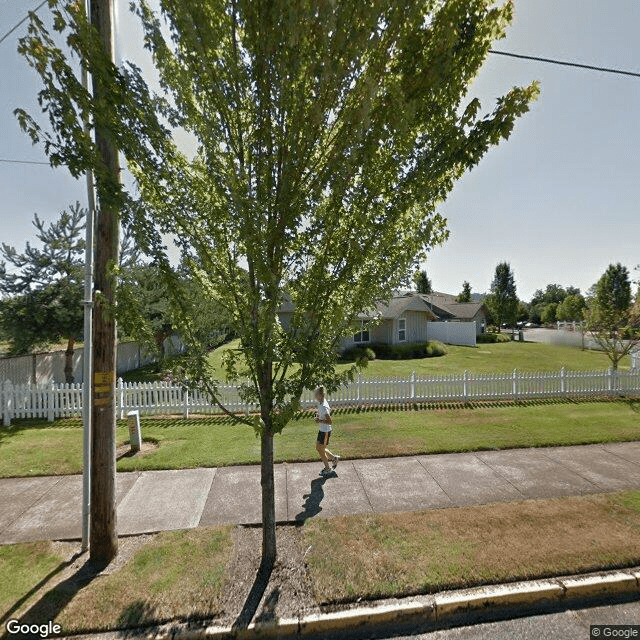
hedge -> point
(493, 337)
(430, 349)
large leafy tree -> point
(503, 299)
(147, 313)
(571, 308)
(327, 133)
(613, 318)
(551, 294)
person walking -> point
(323, 418)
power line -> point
(6, 35)
(22, 161)
(565, 63)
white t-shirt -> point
(324, 410)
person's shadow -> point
(311, 506)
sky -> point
(558, 200)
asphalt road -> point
(566, 625)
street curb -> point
(439, 608)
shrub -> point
(435, 349)
(493, 337)
(358, 353)
(429, 349)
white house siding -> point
(380, 333)
(416, 327)
(462, 333)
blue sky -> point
(558, 200)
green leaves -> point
(327, 133)
(613, 319)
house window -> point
(402, 329)
(363, 334)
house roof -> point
(394, 308)
(446, 308)
(399, 304)
(465, 309)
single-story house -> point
(446, 309)
(402, 320)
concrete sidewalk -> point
(49, 508)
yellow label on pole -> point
(104, 377)
(101, 402)
(106, 389)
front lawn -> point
(484, 358)
(35, 447)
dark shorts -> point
(323, 437)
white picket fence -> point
(65, 400)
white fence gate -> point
(53, 401)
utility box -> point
(521, 335)
(135, 437)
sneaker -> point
(335, 461)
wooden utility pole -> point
(103, 539)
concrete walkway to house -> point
(49, 508)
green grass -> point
(484, 358)
(22, 566)
(399, 554)
(37, 448)
(175, 574)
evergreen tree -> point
(465, 294)
(423, 284)
(503, 299)
(44, 287)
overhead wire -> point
(565, 63)
(6, 35)
(10, 160)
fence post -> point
(413, 386)
(465, 390)
(563, 384)
(185, 412)
(50, 408)
(120, 388)
(358, 383)
(7, 404)
(515, 383)
(609, 380)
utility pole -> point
(103, 535)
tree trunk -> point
(268, 500)
(68, 360)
